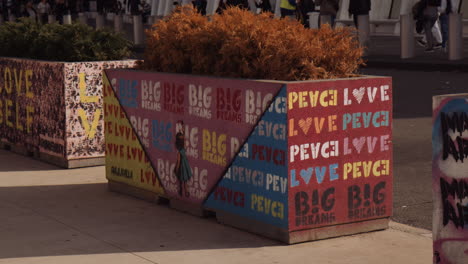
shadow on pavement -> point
(10, 161)
(88, 219)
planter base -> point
(338, 230)
(58, 161)
(21, 150)
(72, 164)
(155, 198)
(295, 237)
(134, 192)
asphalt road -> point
(412, 101)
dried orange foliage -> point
(240, 44)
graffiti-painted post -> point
(450, 178)
(53, 110)
(294, 161)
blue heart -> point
(306, 175)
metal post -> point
(82, 18)
(51, 19)
(151, 20)
(407, 36)
(314, 20)
(67, 20)
(455, 41)
(325, 19)
(99, 21)
(137, 30)
(169, 7)
(118, 23)
(364, 31)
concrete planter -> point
(53, 110)
(450, 178)
(294, 161)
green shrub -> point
(240, 44)
(55, 42)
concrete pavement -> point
(49, 215)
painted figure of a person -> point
(182, 168)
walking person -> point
(304, 7)
(30, 11)
(430, 14)
(288, 8)
(328, 8)
(60, 9)
(358, 8)
(43, 9)
(445, 9)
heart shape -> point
(359, 143)
(305, 124)
(359, 94)
(306, 175)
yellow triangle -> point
(126, 160)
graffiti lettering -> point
(457, 190)
(320, 172)
(317, 150)
(254, 105)
(313, 99)
(267, 206)
(366, 168)
(228, 104)
(268, 154)
(366, 119)
(316, 123)
(229, 196)
(359, 93)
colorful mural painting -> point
(190, 127)
(292, 155)
(53, 109)
(256, 184)
(126, 161)
(340, 154)
(450, 178)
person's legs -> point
(436, 33)
(428, 24)
(430, 17)
(444, 29)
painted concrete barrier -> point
(53, 110)
(450, 178)
(294, 161)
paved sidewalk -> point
(384, 52)
(49, 215)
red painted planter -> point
(295, 161)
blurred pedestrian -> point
(359, 8)
(43, 10)
(430, 15)
(264, 5)
(328, 8)
(223, 4)
(445, 9)
(30, 11)
(60, 9)
(288, 8)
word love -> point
(371, 93)
(357, 145)
(319, 173)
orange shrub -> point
(240, 44)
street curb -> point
(410, 229)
